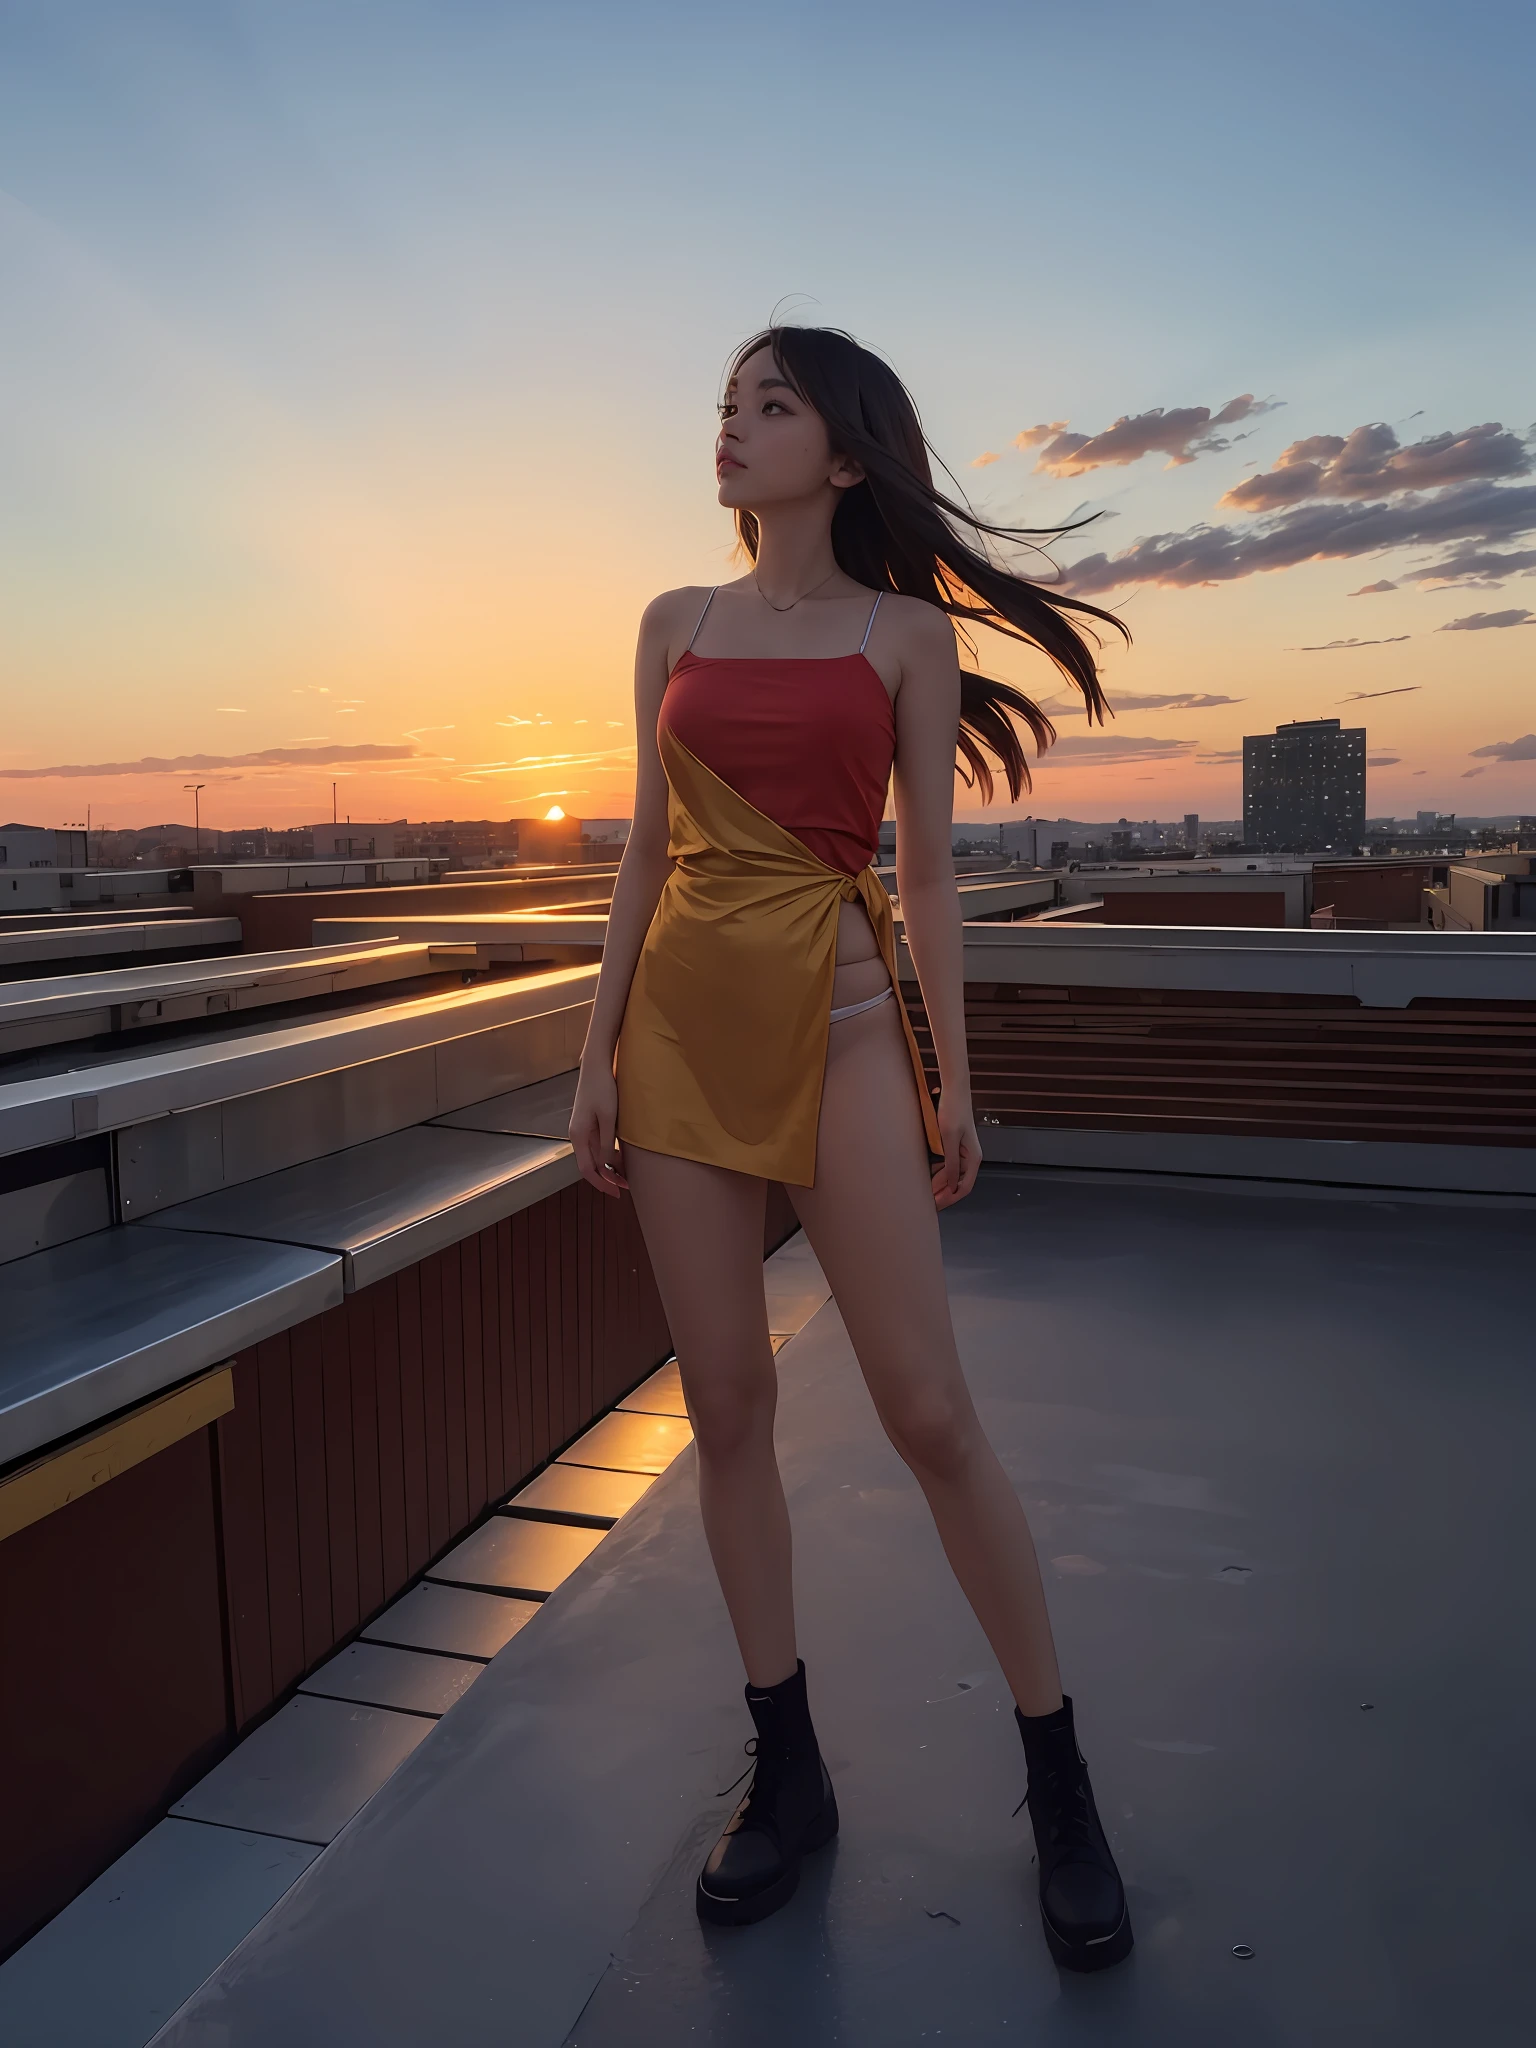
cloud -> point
(1475, 567)
(1310, 533)
(181, 764)
(1479, 622)
(1033, 436)
(1220, 757)
(1362, 696)
(1382, 760)
(1107, 750)
(1335, 646)
(1371, 461)
(234, 710)
(1137, 700)
(985, 461)
(1468, 773)
(1507, 750)
(1181, 435)
(1370, 589)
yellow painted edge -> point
(54, 1480)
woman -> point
(746, 1029)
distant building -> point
(1304, 786)
(1192, 831)
(350, 841)
(605, 832)
(32, 846)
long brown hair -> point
(896, 531)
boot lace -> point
(759, 1811)
(1063, 1806)
(749, 1749)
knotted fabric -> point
(723, 1050)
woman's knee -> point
(730, 1412)
(934, 1431)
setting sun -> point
(553, 815)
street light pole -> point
(197, 816)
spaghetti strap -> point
(704, 614)
(867, 630)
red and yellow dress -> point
(777, 771)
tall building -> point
(1192, 831)
(1304, 786)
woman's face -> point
(772, 448)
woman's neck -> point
(794, 552)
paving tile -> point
(120, 1958)
(661, 1394)
(630, 1443)
(453, 1620)
(305, 1772)
(580, 1493)
(517, 1556)
(376, 1675)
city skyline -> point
(359, 394)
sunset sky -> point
(358, 368)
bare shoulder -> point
(919, 630)
(668, 622)
(921, 637)
(672, 607)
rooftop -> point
(1244, 1297)
(1274, 1448)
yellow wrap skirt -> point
(723, 1049)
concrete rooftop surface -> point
(1276, 1449)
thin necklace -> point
(794, 601)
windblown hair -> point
(896, 531)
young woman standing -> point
(746, 1028)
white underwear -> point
(853, 1009)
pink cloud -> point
(1181, 434)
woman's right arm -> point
(637, 889)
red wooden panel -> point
(394, 1545)
(413, 1422)
(1254, 1065)
(533, 1408)
(624, 1266)
(340, 1485)
(372, 1585)
(541, 1353)
(497, 1476)
(280, 1488)
(370, 1437)
(313, 1508)
(471, 1251)
(434, 1404)
(449, 1265)
(242, 1499)
(114, 1700)
(565, 1288)
(581, 1283)
(612, 1336)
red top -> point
(807, 741)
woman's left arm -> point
(927, 722)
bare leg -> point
(703, 1228)
(871, 1220)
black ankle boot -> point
(788, 1811)
(1082, 1901)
